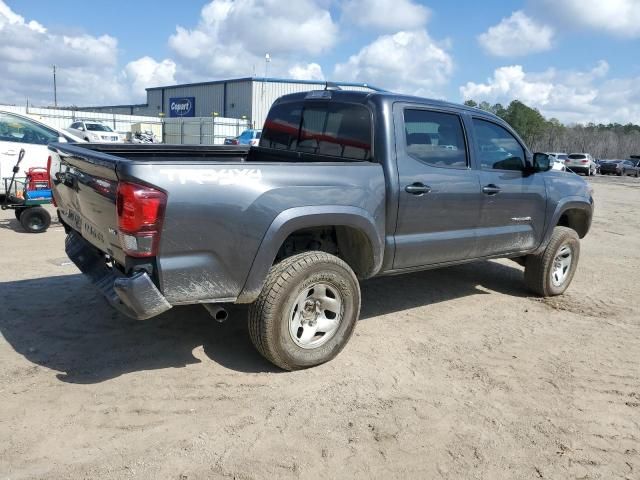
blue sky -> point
(576, 60)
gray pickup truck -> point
(343, 186)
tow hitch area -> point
(136, 296)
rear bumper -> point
(135, 296)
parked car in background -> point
(631, 167)
(18, 132)
(611, 167)
(95, 132)
(599, 162)
(559, 160)
(248, 137)
(581, 163)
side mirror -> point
(542, 162)
(81, 128)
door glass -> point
(435, 138)
(498, 149)
(19, 130)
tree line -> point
(541, 135)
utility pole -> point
(55, 88)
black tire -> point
(539, 268)
(17, 212)
(35, 219)
(269, 315)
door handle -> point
(417, 188)
(491, 189)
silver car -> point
(581, 163)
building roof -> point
(270, 80)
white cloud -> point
(391, 15)
(516, 36)
(232, 37)
(407, 62)
(8, 16)
(571, 96)
(310, 71)
(618, 17)
(147, 72)
(88, 71)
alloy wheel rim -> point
(315, 316)
(561, 266)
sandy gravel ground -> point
(456, 373)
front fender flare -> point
(569, 203)
(297, 218)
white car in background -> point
(581, 163)
(94, 132)
(19, 132)
(559, 160)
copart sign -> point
(182, 107)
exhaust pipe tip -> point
(217, 312)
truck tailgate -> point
(85, 188)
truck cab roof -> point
(363, 97)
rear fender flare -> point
(294, 219)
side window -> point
(435, 138)
(19, 130)
(281, 127)
(498, 149)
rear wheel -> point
(550, 272)
(306, 312)
(35, 219)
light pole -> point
(55, 88)
(267, 61)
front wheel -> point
(550, 272)
(306, 312)
(35, 219)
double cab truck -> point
(343, 186)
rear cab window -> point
(336, 130)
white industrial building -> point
(248, 98)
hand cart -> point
(26, 195)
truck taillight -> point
(140, 214)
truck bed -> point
(159, 152)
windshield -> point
(97, 127)
(562, 157)
(577, 156)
